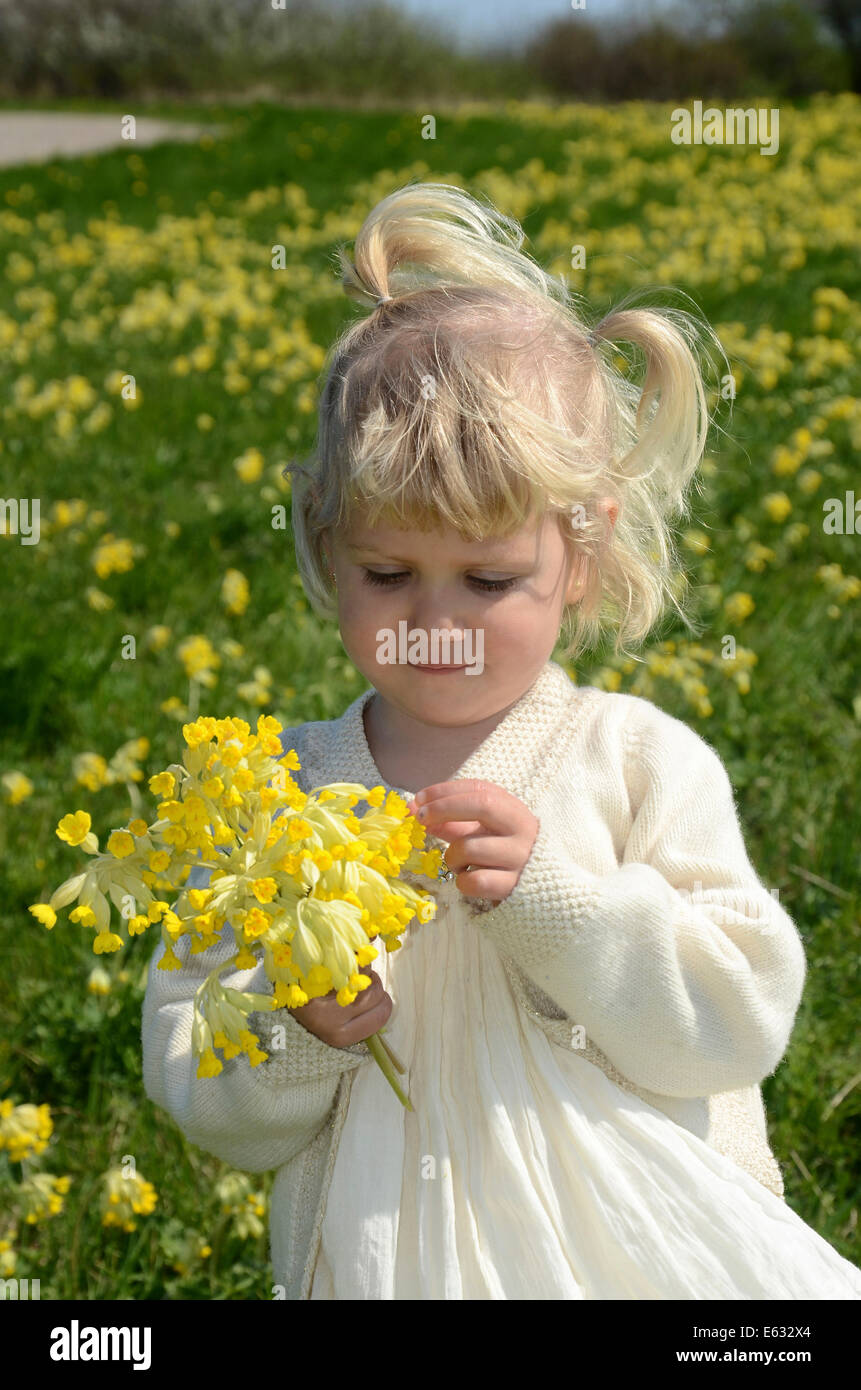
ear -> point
(577, 579)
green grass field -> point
(157, 265)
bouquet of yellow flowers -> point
(299, 876)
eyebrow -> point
(494, 558)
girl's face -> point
(503, 598)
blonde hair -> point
(475, 396)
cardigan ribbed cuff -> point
(550, 891)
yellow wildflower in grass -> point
(40, 1196)
(69, 513)
(157, 637)
(738, 607)
(258, 691)
(124, 1197)
(778, 505)
(758, 556)
(696, 541)
(24, 1129)
(98, 419)
(205, 422)
(90, 770)
(98, 981)
(237, 1198)
(112, 556)
(235, 592)
(97, 600)
(174, 707)
(199, 658)
(124, 764)
(249, 466)
(18, 787)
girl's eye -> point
(487, 585)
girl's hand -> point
(490, 834)
(341, 1025)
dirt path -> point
(29, 137)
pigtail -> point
(671, 421)
(428, 235)
(659, 430)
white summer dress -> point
(524, 1172)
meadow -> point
(156, 513)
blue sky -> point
(476, 21)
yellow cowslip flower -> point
(40, 1196)
(162, 784)
(124, 764)
(125, 1196)
(98, 419)
(43, 913)
(199, 658)
(91, 771)
(74, 828)
(235, 592)
(121, 844)
(738, 607)
(249, 466)
(157, 637)
(758, 556)
(697, 541)
(778, 505)
(18, 787)
(99, 981)
(24, 1129)
(112, 556)
(255, 922)
(264, 889)
(169, 961)
(69, 513)
(107, 941)
(98, 601)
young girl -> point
(586, 1021)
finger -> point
(484, 809)
(478, 850)
(495, 884)
(463, 786)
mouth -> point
(438, 668)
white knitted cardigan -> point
(637, 916)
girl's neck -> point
(412, 755)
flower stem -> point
(379, 1052)
(391, 1051)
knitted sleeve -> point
(680, 965)
(255, 1118)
